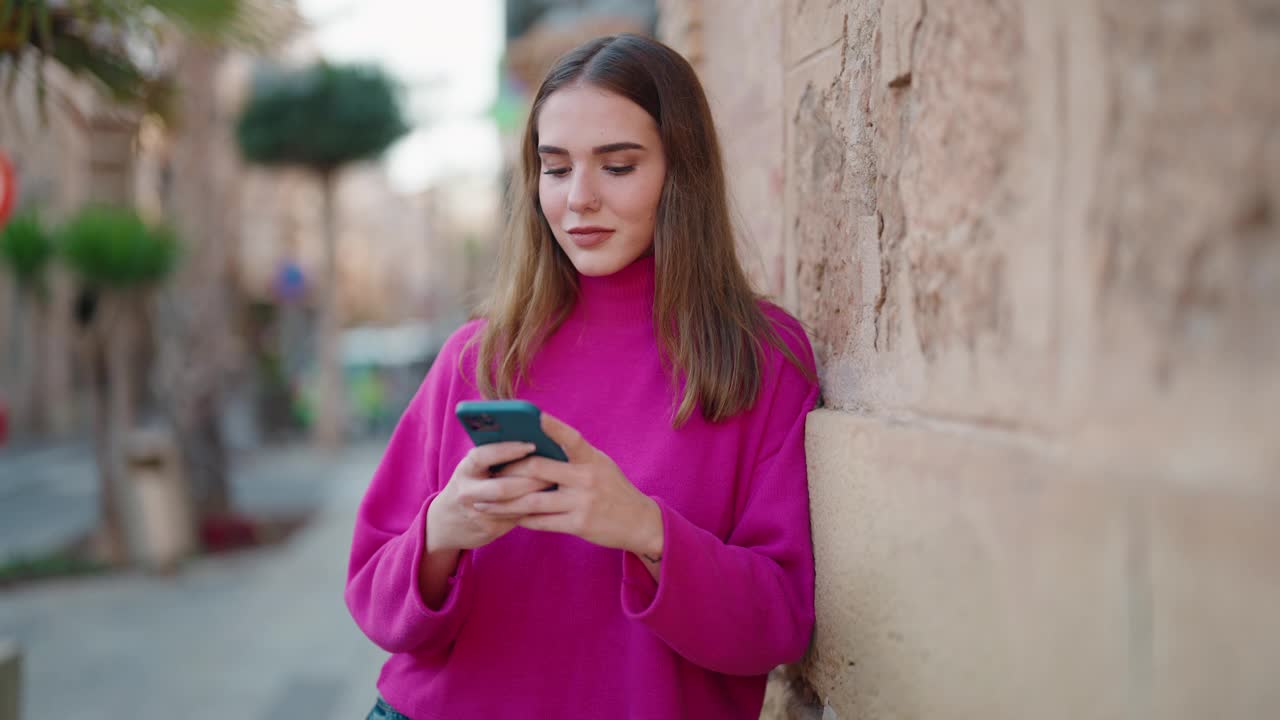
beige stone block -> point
(812, 26)
(745, 93)
(1169, 334)
(964, 574)
(831, 177)
(1205, 432)
(899, 21)
(818, 261)
(680, 26)
(922, 234)
(1215, 593)
(967, 154)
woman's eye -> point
(555, 171)
(619, 169)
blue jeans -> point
(382, 711)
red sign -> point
(8, 188)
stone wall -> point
(1038, 248)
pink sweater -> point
(541, 625)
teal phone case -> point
(490, 421)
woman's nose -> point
(582, 194)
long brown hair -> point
(708, 319)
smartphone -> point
(490, 421)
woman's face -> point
(603, 167)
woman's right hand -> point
(453, 524)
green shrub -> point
(26, 247)
(113, 248)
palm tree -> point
(119, 43)
(196, 340)
(322, 118)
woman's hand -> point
(595, 500)
(454, 523)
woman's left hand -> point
(595, 501)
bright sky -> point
(446, 54)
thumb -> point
(570, 440)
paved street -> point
(251, 635)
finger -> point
(531, 504)
(574, 445)
(552, 471)
(557, 522)
(482, 457)
(501, 489)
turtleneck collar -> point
(624, 298)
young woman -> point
(672, 568)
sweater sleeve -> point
(382, 591)
(744, 605)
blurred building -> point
(1037, 247)
(77, 148)
(384, 253)
(74, 150)
(465, 219)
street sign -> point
(8, 188)
(290, 282)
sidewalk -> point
(49, 495)
(258, 635)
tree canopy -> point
(25, 246)
(320, 117)
(113, 248)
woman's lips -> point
(590, 237)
